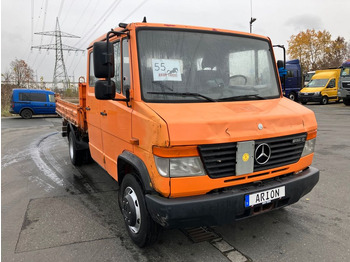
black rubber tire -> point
(76, 156)
(26, 114)
(304, 102)
(346, 101)
(148, 230)
(324, 100)
(292, 96)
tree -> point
(338, 54)
(316, 50)
(22, 74)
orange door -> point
(93, 109)
(116, 116)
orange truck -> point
(193, 125)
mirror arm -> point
(127, 100)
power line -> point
(105, 15)
(60, 10)
(44, 22)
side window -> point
(331, 83)
(126, 65)
(92, 79)
(38, 97)
(24, 96)
(117, 65)
(290, 73)
(52, 98)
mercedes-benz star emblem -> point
(262, 153)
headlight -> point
(309, 147)
(317, 93)
(179, 167)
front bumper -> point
(312, 98)
(225, 207)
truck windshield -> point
(317, 83)
(345, 72)
(194, 66)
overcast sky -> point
(89, 19)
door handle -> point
(103, 113)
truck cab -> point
(344, 83)
(322, 88)
(192, 123)
(292, 81)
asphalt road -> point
(52, 211)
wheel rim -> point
(131, 210)
(292, 97)
(324, 100)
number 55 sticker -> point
(166, 69)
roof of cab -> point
(133, 26)
(328, 73)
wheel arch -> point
(129, 163)
(23, 108)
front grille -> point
(346, 85)
(283, 151)
(219, 160)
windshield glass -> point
(317, 83)
(345, 72)
(187, 66)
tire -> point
(292, 96)
(139, 224)
(346, 101)
(26, 114)
(324, 100)
(304, 102)
(76, 156)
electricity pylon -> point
(60, 73)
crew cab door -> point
(93, 109)
(116, 115)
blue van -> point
(29, 102)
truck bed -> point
(74, 113)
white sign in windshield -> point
(166, 70)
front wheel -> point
(139, 224)
(292, 96)
(346, 101)
(324, 100)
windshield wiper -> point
(234, 98)
(183, 94)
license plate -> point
(264, 197)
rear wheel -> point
(304, 102)
(139, 224)
(26, 113)
(324, 100)
(76, 156)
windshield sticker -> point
(166, 70)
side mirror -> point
(103, 56)
(280, 64)
(105, 91)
